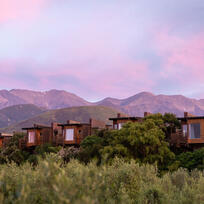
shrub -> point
(69, 153)
(192, 160)
(120, 182)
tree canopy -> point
(145, 142)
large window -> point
(115, 126)
(31, 137)
(185, 130)
(194, 130)
(120, 125)
(69, 135)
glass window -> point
(185, 130)
(120, 125)
(115, 126)
(31, 137)
(194, 130)
(69, 135)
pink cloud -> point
(19, 9)
(7, 66)
(121, 77)
(183, 57)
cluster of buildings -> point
(191, 133)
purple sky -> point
(103, 48)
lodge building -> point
(189, 135)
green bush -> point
(192, 160)
(11, 152)
(46, 148)
(69, 153)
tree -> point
(167, 122)
(11, 151)
(191, 160)
(144, 142)
(91, 146)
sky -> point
(101, 48)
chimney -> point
(118, 115)
(54, 125)
(147, 114)
(186, 114)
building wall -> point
(1, 142)
(57, 134)
(178, 138)
(42, 136)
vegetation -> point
(12, 153)
(145, 142)
(120, 182)
(131, 165)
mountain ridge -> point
(16, 113)
(134, 105)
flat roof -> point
(126, 118)
(32, 128)
(190, 118)
(74, 124)
(36, 127)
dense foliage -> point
(12, 152)
(146, 142)
(191, 160)
(121, 182)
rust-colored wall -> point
(42, 136)
(1, 142)
(57, 136)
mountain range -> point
(135, 105)
(53, 99)
(19, 108)
(147, 102)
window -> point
(185, 130)
(120, 125)
(69, 135)
(194, 130)
(115, 126)
(31, 137)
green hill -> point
(82, 114)
(17, 113)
